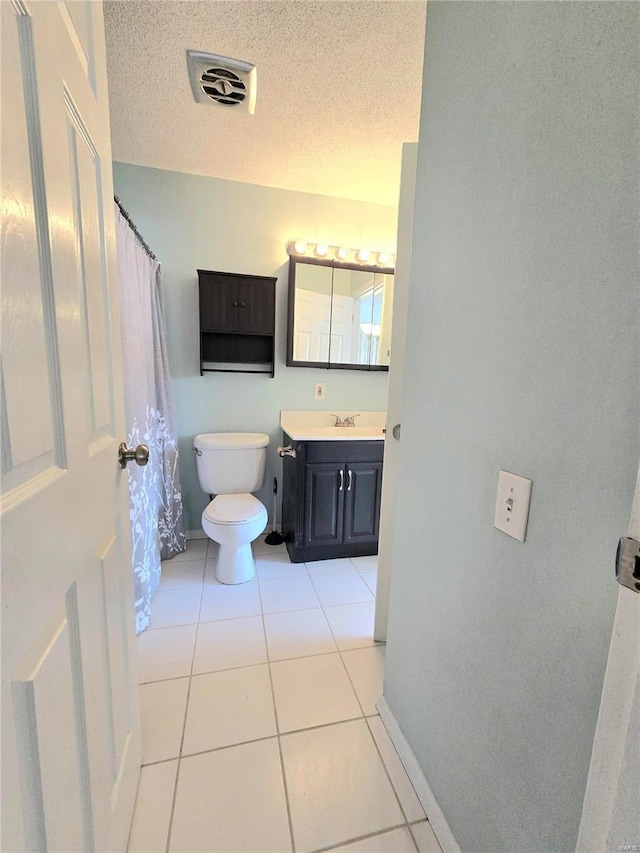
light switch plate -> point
(512, 505)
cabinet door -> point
(324, 503)
(256, 307)
(219, 303)
(363, 488)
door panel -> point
(31, 446)
(324, 503)
(341, 330)
(77, 18)
(87, 208)
(312, 325)
(302, 346)
(362, 508)
(70, 733)
(50, 759)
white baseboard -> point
(441, 829)
(196, 534)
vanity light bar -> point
(341, 253)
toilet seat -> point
(234, 509)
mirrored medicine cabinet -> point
(339, 315)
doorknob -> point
(140, 455)
(396, 432)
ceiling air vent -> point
(231, 83)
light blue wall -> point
(194, 222)
(522, 354)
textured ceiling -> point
(339, 88)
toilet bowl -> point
(234, 521)
(231, 466)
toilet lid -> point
(234, 509)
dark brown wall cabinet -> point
(331, 499)
(237, 323)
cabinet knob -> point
(234, 304)
(242, 304)
(341, 486)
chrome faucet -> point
(349, 421)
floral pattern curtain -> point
(155, 499)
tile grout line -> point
(364, 715)
(411, 826)
(362, 838)
(259, 739)
(331, 574)
(335, 639)
(275, 714)
(386, 770)
(279, 734)
(164, 761)
(133, 813)
(375, 743)
(323, 606)
(186, 709)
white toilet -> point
(230, 466)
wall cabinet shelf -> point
(237, 323)
(331, 499)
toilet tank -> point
(230, 463)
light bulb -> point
(363, 255)
(343, 253)
(321, 250)
(300, 247)
(383, 259)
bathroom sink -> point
(335, 433)
(319, 426)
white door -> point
(312, 326)
(611, 809)
(70, 720)
(396, 374)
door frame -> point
(392, 447)
(619, 713)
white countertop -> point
(319, 426)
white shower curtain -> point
(155, 499)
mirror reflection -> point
(339, 315)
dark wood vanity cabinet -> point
(331, 499)
(237, 322)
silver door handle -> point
(341, 486)
(140, 455)
(350, 480)
(396, 432)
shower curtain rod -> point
(141, 239)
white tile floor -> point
(259, 726)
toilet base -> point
(235, 564)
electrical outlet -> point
(319, 391)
